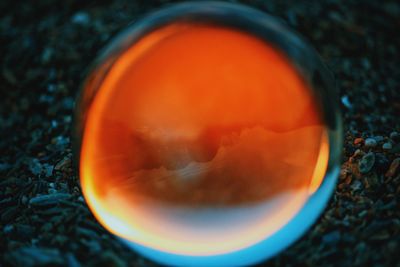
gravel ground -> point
(45, 47)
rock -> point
(358, 141)
(64, 163)
(47, 200)
(80, 18)
(381, 162)
(35, 167)
(9, 228)
(52, 191)
(387, 146)
(47, 227)
(292, 17)
(88, 233)
(379, 138)
(9, 76)
(7, 202)
(34, 256)
(395, 136)
(366, 163)
(332, 237)
(93, 245)
(357, 154)
(109, 258)
(58, 143)
(394, 166)
(48, 169)
(396, 149)
(370, 142)
(371, 181)
(356, 185)
(4, 166)
(47, 54)
(24, 200)
(24, 232)
(72, 261)
(346, 102)
(9, 214)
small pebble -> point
(387, 146)
(72, 261)
(24, 231)
(357, 153)
(366, 163)
(48, 169)
(63, 187)
(346, 102)
(8, 229)
(396, 149)
(8, 214)
(4, 166)
(371, 181)
(34, 256)
(24, 200)
(109, 258)
(52, 191)
(358, 141)
(370, 142)
(394, 136)
(47, 200)
(47, 54)
(64, 163)
(47, 227)
(381, 162)
(35, 167)
(356, 185)
(332, 237)
(379, 138)
(80, 18)
(393, 168)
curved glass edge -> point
(307, 62)
(263, 250)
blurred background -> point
(45, 49)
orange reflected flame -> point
(201, 140)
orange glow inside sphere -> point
(201, 140)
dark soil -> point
(45, 48)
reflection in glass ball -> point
(201, 140)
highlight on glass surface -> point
(208, 134)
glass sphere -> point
(206, 130)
